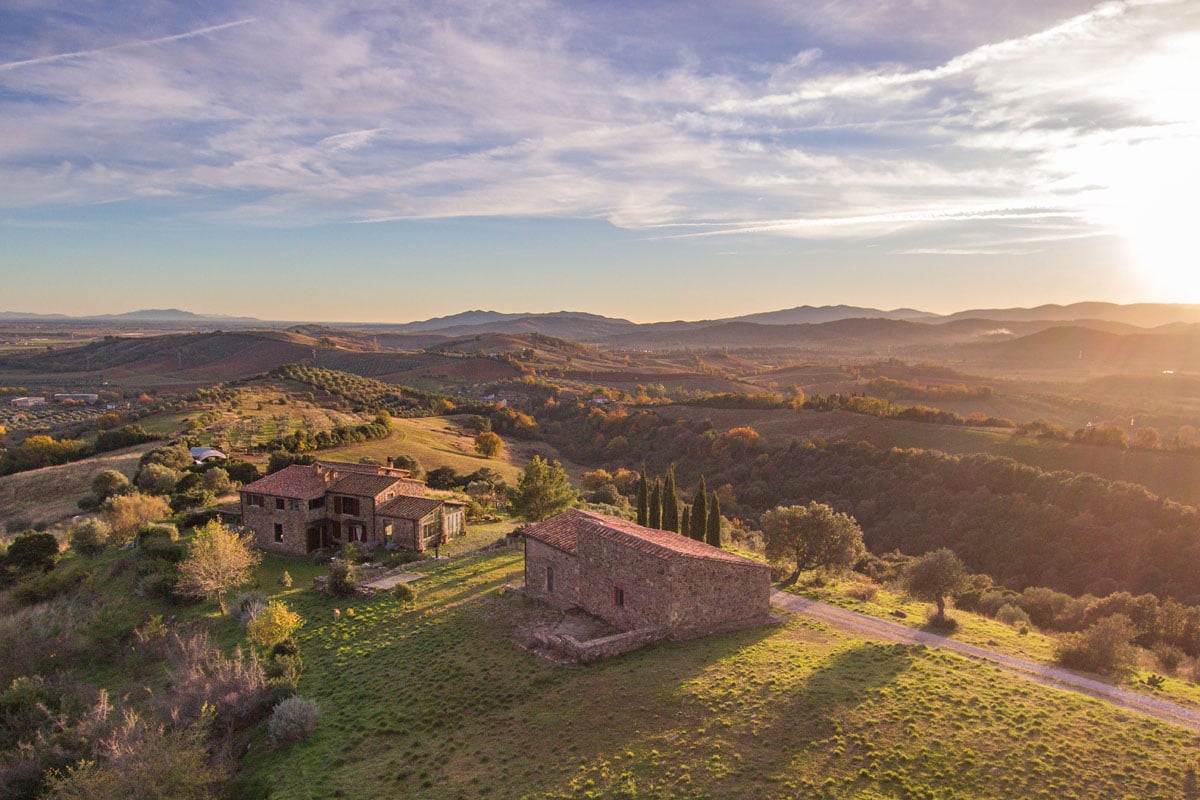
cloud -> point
(377, 112)
(80, 54)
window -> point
(345, 505)
(254, 500)
(356, 532)
(316, 502)
(278, 532)
(619, 596)
(279, 504)
(293, 505)
(549, 580)
(429, 529)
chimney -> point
(391, 462)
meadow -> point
(441, 702)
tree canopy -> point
(812, 536)
(935, 576)
(217, 560)
(543, 491)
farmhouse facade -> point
(302, 508)
(638, 578)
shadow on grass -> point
(940, 626)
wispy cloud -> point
(178, 37)
(362, 112)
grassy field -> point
(49, 494)
(982, 632)
(441, 442)
(440, 702)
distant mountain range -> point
(825, 326)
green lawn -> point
(439, 702)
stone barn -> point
(638, 578)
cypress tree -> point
(643, 500)
(670, 501)
(699, 513)
(684, 522)
(654, 515)
(713, 534)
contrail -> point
(143, 43)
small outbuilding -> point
(638, 578)
(204, 454)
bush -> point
(1012, 615)
(1169, 658)
(283, 673)
(157, 479)
(90, 537)
(285, 579)
(44, 586)
(405, 595)
(33, 551)
(108, 483)
(343, 578)
(161, 532)
(1104, 647)
(293, 720)
(274, 624)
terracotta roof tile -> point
(408, 507)
(296, 480)
(364, 485)
(563, 530)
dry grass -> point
(49, 495)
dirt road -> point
(1045, 674)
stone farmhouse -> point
(302, 508)
(641, 579)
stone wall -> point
(707, 596)
(295, 524)
(606, 567)
(539, 556)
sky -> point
(391, 161)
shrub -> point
(90, 537)
(405, 595)
(285, 580)
(160, 531)
(283, 673)
(1169, 658)
(33, 551)
(202, 681)
(126, 513)
(343, 578)
(273, 624)
(108, 483)
(355, 554)
(1012, 615)
(293, 720)
(1104, 647)
(44, 586)
(157, 479)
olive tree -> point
(812, 537)
(935, 576)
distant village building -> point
(638, 578)
(302, 508)
(28, 402)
